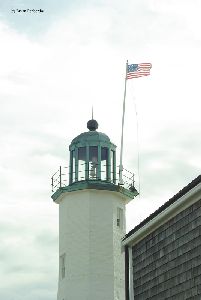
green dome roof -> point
(91, 136)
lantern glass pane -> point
(104, 163)
(112, 165)
(73, 165)
(93, 162)
(81, 163)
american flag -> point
(138, 70)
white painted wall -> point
(89, 236)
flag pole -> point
(122, 130)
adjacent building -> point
(163, 253)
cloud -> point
(169, 162)
(26, 262)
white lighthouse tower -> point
(91, 220)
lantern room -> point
(92, 165)
(92, 156)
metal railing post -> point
(60, 177)
(52, 185)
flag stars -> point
(132, 68)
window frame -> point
(62, 259)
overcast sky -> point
(56, 64)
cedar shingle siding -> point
(167, 262)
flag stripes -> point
(138, 70)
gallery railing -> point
(62, 177)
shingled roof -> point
(181, 193)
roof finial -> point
(92, 124)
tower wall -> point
(90, 241)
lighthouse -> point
(91, 219)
